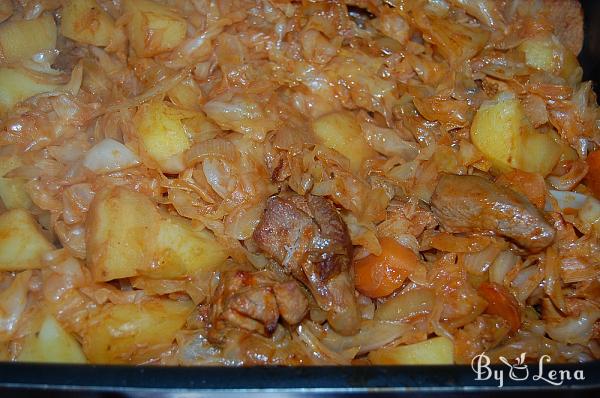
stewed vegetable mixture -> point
(240, 182)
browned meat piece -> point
(292, 303)
(254, 301)
(471, 203)
(284, 222)
(307, 236)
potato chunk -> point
(153, 28)
(12, 190)
(543, 53)
(22, 245)
(539, 153)
(163, 135)
(51, 344)
(502, 132)
(182, 250)
(16, 86)
(341, 131)
(121, 232)
(22, 39)
(133, 333)
(435, 351)
(127, 236)
(496, 130)
(86, 22)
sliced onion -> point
(216, 148)
(575, 173)
(526, 281)
(409, 304)
(343, 357)
(566, 200)
(240, 223)
(388, 142)
(108, 156)
(372, 335)
(576, 329)
(502, 265)
(161, 87)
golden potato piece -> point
(182, 250)
(16, 86)
(22, 245)
(22, 39)
(13, 193)
(502, 132)
(153, 28)
(496, 129)
(435, 351)
(341, 131)
(86, 22)
(121, 233)
(163, 135)
(51, 344)
(12, 190)
(546, 53)
(542, 53)
(133, 333)
(539, 153)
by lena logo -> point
(519, 371)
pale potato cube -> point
(12, 190)
(13, 193)
(133, 333)
(121, 230)
(496, 131)
(542, 52)
(9, 163)
(341, 132)
(502, 132)
(86, 22)
(539, 153)
(182, 250)
(153, 28)
(22, 39)
(22, 244)
(16, 86)
(163, 135)
(435, 351)
(546, 53)
(51, 344)
(571, 71)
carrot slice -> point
(501, 303)
(379, 276)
